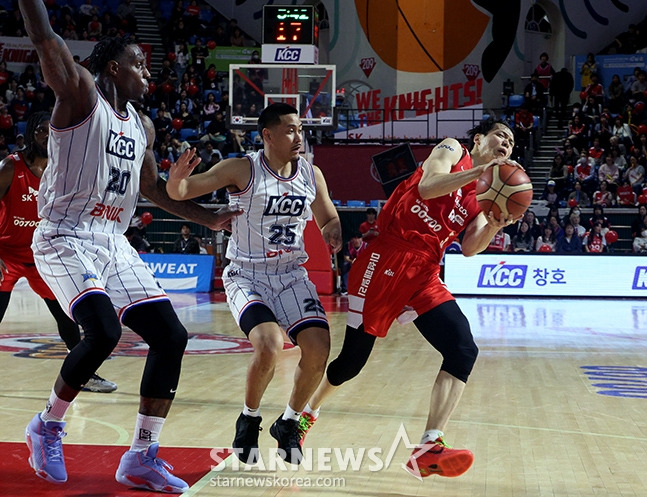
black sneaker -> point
(247, 428)
(286, 432)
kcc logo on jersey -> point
(290, 205)
(121, 146)
(502, 275)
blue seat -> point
(515, 101)
(355, 203)
(21, 127)
(186, 133)
(165, 9)
(336, 203)
(154, 112)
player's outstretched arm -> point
(154, 189)
(436, 179)
(72, 84)
(325, 214)
(181, 185)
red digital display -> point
(290, 25)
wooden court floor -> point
(556, 405)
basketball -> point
(421, 36)
(504, 188)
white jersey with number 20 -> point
(92, 181)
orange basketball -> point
(421, 35)
(504, 188)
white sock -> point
(291, 414)
(55, 409)
(430, 436)
(313, 412)
(147, 431)
(254, 413)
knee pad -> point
(460, 360)
(159, 326)
(102, 330)
(101, 327)
(446, 328)
(353, 356)
(157, 323)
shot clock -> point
(290, 25)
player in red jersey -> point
(400, 269)
(19, 180)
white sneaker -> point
(98, 384)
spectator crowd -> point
(600, 163)
(187, 97)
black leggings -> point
(155, 322)
(445, 327)
(102, 330)
(159, 326)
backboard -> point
(309, 88)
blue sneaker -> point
(46, 449)
(142, 469)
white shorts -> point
(88, 263)
(288, 293)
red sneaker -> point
(438, 458)
(305, 423)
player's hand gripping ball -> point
(504, 189)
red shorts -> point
(19, 269)
(387, 276)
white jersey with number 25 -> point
(275, 213)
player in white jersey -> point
(101, 158)
(268, 290)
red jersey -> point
(596, 153)
(6, 121)
(430, 225)
(595, 242)
(626, 195)
(4, 77)
(365, 227)
(583, 170)
(19, 213)
(499, 242)
(546, 70)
